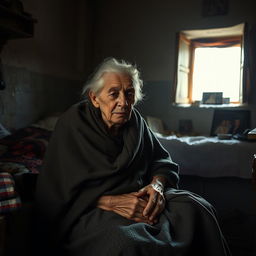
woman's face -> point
(116, 99)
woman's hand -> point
(129, 206)
(156, 201)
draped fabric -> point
(84, 162)
(188, 226)
(217, 42)
(249, 77)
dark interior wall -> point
(57, 47)
(144, 32)
(72, 37)
(45, 73)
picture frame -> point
(230, 121)
(212, 98)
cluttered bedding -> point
(21, 156)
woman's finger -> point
(151, 204)
(158, 209)
(139, 211)
(141, 219)
(142, 192)
(142, 203)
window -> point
(210, 60)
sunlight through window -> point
(217, 70)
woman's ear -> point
(94, 99)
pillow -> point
(48, 123)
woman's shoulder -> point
(71, 116)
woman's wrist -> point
(158, 184)
(161, 180)
(105, 203)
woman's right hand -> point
(127, 205)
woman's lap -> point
(188, 224)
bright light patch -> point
(217, 70)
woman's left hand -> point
(156, 200)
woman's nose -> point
(122, 101)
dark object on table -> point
(244, 136)
(251, 135)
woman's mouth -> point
(120, 113)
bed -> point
(211, 157)
(21, 157)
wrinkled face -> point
(116, 99)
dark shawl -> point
(84, 161)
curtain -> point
(217, 42)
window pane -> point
(217, 70)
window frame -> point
(236, 41)
(182, 93)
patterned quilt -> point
(21, 152)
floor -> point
(235, 202)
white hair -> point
(112, 65)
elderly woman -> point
(109, 188)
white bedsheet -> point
(209, 156)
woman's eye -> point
(113, 94)
(130, 94)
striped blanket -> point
(20, 153)
(9, 199)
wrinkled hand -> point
(156, 201)
(130, 206)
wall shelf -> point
(14, 24)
